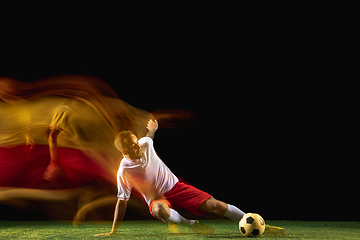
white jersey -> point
(148, 175)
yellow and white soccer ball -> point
(252, 225)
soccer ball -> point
(252, 225)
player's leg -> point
(215, 206)
(161, 210)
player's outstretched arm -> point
(119, 213)
(53, 170)
(152, 126)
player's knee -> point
(221, 208)
(218, 207)
(161, 210)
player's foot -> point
(274, 231)
(202, 229)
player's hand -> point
(52, 172)
(104, 234)
(152, 125)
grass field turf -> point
(155, 230)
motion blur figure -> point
(58, 133)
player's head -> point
(128, 144)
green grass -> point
(155, 230)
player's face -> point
(134, 149)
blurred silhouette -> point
(57, 142)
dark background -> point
(270, 132)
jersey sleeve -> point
(124, 186)
(145, 142)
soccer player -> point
(142, 169)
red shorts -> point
(24, 166)
(185, 196)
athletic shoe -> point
(274, 231)
(173, 227)
(202, 229)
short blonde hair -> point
(122, 140)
